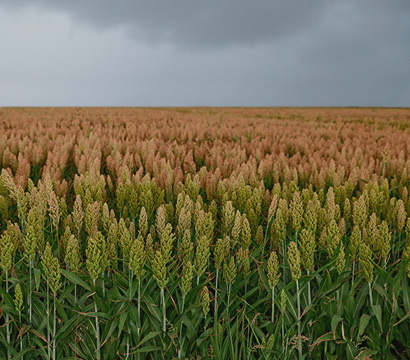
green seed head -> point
(283, 300)
(230, 271)
(259, 236)
(294, 261)
(236, 229)
(296, 211)
(228, 217)
(149, 249)
(72, 254)
(124, 239)
(333, 238)
(219, 253)
(246, 233)
(18, 298)
(355, 241)
(201, 256)
(340, 261)
(366, 262)
(51, 269)
(159, 269)
(360, 213)
(143, 223)
(205, 300)
(384, 239)
(167, 240)
(307, 245)
(273, 270)
(186, 247)
(310, 217)
(6, 252)
(137, 257)
(400, 215)
(97, 255)
(186, 280)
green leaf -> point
(378, 313)
(148, 349)
(73, 278)
(150, 336)
(335, 320)
(364, 321)
(37, 277)
(123, 317)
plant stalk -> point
(97, 327)
(54, 328)
(299, 333)
(7, 317)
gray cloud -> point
(250, 53)
(188, 23)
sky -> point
(205, 53)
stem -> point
(180, 329)
(97, 328)
(216, 296)
(21, 339)
(299, 333)
(163, 312)
(354, 264)
(48, 320)
(309, 291)
(283, 334)
(139, 307)
(285, 273)
(273, 304)
(29, 293)
(54, 329)
(371, 295)
(130, 284)
(227, 308)
(7, 316)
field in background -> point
(240, 233)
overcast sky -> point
(211, 53)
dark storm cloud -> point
(192, 23)
(249, 53)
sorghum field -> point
(204, 233)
